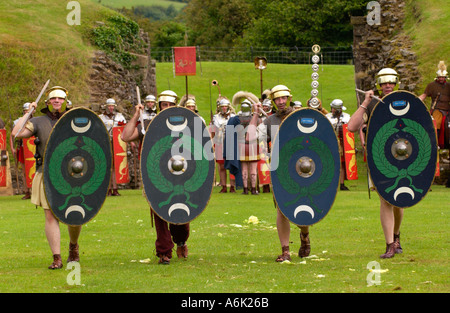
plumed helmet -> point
(442, 70)
(338, 104)
(168, 96)
(387, 75)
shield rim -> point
(44, 163)
(368, 167)
(140, 164)
(271, 186)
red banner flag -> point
(185, 61)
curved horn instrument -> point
(216, 83)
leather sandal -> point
(74, 255)
(57, 262)
(182, 251)
(305, 246)
(390, 250)
(164, 259)
(398, 249)
(285, 256)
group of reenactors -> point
(271, 108)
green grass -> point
(118, 255)
(336, 81)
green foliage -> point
(118, 37)
(169, 34)
(156, 12)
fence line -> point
(284, 55)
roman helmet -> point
(387, 75)
(26, 107)
(296, 104)
(246, 108)
(224, 102)
(281, 91)
(267, 105)
(167, 96)
(191, 103)
(57, 92)
(338, 104)
(442, 70)
(150, 103)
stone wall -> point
(384, 45)
(108, 79)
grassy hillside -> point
(37, 44)
(427, 25)
(134, 3)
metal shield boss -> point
(177, 165)
(305, 166)
(77, 166)
(401, 149)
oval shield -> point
(401, 149)
(305, 167)
(77, 166)
(177, 165)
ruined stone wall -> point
(108, 79)
(384, 45)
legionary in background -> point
(111, 118)
(337, 118)
(150, 107)
(18, 153)
(41, 127)
(248, 151)
(219, 122)
(439, 92)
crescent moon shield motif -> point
(403, 190)
(307, 129)
(410, 167)
(179, 206)
(176, 128)
(304, 208)
(75, 208)
(399, 112)
(316, 142)
(80, 129)
(79, 136)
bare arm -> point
(130, 132)
(357, 120)
(24, 133)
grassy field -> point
(336, 81)
(229, 255)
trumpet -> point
(216, 83)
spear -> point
(31, 111)
(373, 96)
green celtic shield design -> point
(77, 166)
(402, 149)
(305, 167)
(177, 165)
